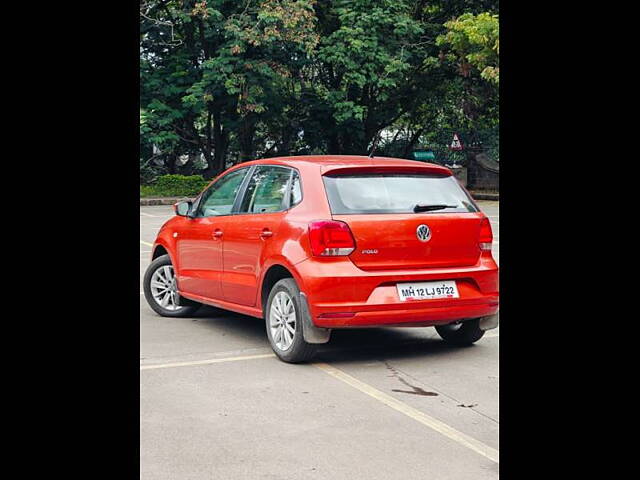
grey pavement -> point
(246, 415)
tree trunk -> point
(211, 170)
(334, 145)
(171, 163)
(412, 142)
(284, 149)
(216, 154)
(221, 140)
(245, 137)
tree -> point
(367, 70)
(474, 39)
(232, 80)
(437, 98)
(207, 69)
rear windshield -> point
(395, 193)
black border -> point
(77, 94)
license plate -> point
(427, 290)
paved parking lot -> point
(386, 403)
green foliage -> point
(369, 62)
(174, 186)
(148, 172)
(231, 80)
(474, 39)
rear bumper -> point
(423, 317)
(341, 295)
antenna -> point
(375, 143)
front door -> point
(256, 224)
(199, 244)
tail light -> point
(486, 235)
(330, 238)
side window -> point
(219, 199)
(296, 190)
(266, 190)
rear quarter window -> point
(395, 193)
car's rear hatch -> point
(391, 241)
(378, 206)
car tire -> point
(461, 334)
(282, 310)
(161, 293)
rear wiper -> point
(428, 208)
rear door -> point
(391, 233)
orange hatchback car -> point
(314, 243)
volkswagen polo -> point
(314, 243)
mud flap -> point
(180, 300)
(310, 332)
(184, 302)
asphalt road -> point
(386, 403)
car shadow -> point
(231, 323)
(362, 344)
(346, 345)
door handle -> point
(266, 233)
(217, 233)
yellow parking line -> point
(146, 243)
(440, 427)
(421, 417)
(205, 362)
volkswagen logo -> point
(423, 233)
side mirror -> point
(182, 209)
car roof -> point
(345, 160)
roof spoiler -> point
(428, 168)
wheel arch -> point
(272, 274)
(160, 247)
(158, 251)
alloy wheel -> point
(163, 288)
(282, 320)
